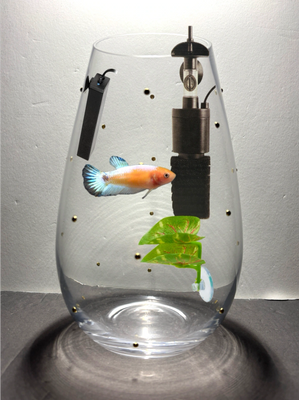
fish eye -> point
(166, 175)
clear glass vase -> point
(149, 233)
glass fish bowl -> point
(149, 232)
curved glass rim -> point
(180, 37)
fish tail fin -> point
(93, 180)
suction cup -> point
(206, 287)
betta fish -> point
(125, 179)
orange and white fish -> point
(125, 179)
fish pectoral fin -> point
(118, 162)
(93, 180)
(147, 193)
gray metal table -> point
(253, 355)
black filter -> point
(191, 136)
(191, 187)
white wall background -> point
(45, 52)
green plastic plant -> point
(177, 243)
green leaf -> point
(179, 229)
(180, 255)
(174, 238)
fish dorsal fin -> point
(118, 162)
